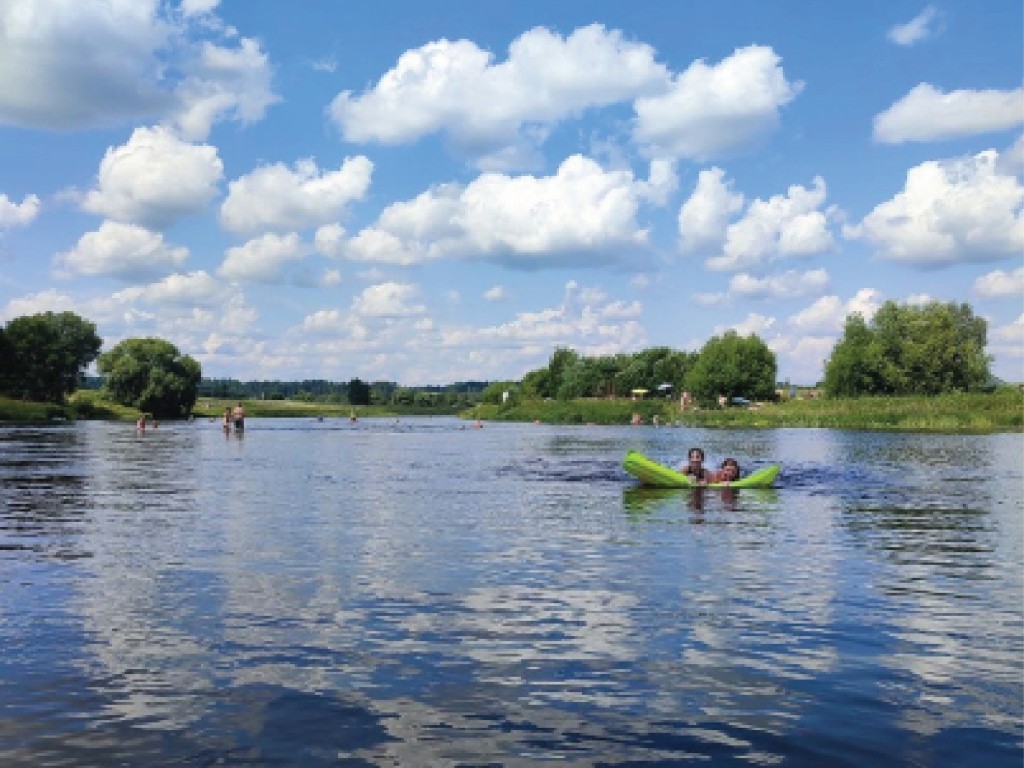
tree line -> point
(730, 365)
(905, 349)
(929, 349)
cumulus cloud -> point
(581, 215)
(155, 179)
(828, 314)
(191, 289)
(14, 214)
(66, 64)
(788, 285)
(782, 227)
(703, 218)
(716, 110)
(275, 197)
(585, 320)
(388, 300)
(1000, 284)
(1010, 335)
(223, 83)
(120, 250)
(262, 259)
(457, 88)
(920, 28)
(928, 114)
(753, 323)
(45, 301)
(949, 212)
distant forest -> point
(321, 390)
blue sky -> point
(427, 193)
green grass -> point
(999, 411)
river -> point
(418, 591)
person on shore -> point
(694, 466)
(239, 416)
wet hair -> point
(731, 462)
(692, 451)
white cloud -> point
(753, 323)
(66, 64)
(14, 214)
(585, 321)
(828, 314)
(120, 250)
(45, 301)
(788, 285)
(1010, 335)
(718, 110)
(263, 258)
(921, 27)
(387, 300)
(223, 83)
(581, 215)
(927, 114)
(276, 198)
(950, 211)
(194, 288)
(198, 7)
(495, 293)
(457, 88)
(783, 227)
(703, 218)
(1000, 284)
(155, 179)
(1011, 160)
(804, 356)
(330, 278)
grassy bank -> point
(208, 407)
(999, 411)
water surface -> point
(420, 592)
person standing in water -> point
(226, 421)
(239, 416)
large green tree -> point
(152, 375)
(734, 366)
(45, 355)
(927, 349)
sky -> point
(427, 193)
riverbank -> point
(998, 411)
(981, 412)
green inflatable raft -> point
(653, 474)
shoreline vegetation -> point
(977, 412)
